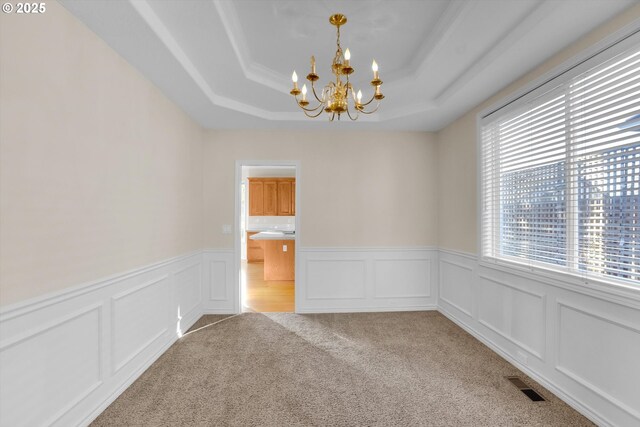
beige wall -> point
(99, 172)
(358, 188)
(457, 151)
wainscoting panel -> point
(188, 282)
(336, 279)
(398, 278)
(581, 344)
(66, 356)
(586, 339)
(220, 293)
(455, 282)
(509, 310)
(366, 279)
(132, 333)
(66, 351)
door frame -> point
(236, 225)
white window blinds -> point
(560, 174)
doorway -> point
(267, 221)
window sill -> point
(617, 292)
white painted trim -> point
(589, 399)
(219, 251)
(41, 317)
(506, 40)
(451, 303)
(23, 307)
(130, 380)
(198, 266)
(251, 69)
(620, 294)
(156, 25)
(539, 354)
(463, 254)
(426, 307)
(567, 398)
(116, 367)
(217, 311)
(236, 229)
(112, 384)
(357, 287)
(597, 390)
(49, 325)
(368, 248)
(629, 30)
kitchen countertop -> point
(268, 228)
(274, 235)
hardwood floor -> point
(266, 296)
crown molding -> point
(251, 69)
(450, 19)
(146, 12)
(507, 39)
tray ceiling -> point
(228, 63)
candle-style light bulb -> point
(374, 67)
(294, 77)
(304, 92)
(347, 57)
(359, 97)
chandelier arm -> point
(333, 116)
(308, 109)
(311, 109)
(313, 116)
(356, 116)
(372, 111)
(313, 89)
(371, 100)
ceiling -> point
(228, 64)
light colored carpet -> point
(368, 369)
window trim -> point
(606, 48)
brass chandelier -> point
(334, 98)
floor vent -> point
(523, 387)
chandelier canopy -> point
(335, 96)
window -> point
(560, 173)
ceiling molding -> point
(407, 110)
(449, 20)
(164, 35)
(436, 81)
(507, 39)
(252, 70)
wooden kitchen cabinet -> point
(284, 198)
(256, 198)
(272, 196)
(280, 260)
(255, 248)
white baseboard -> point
(134, 376)
(370, 309)
(217, 311)
(120, 325)
(101, 336)
(520, 318)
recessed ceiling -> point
(228, 64)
